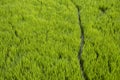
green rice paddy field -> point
(59, 39)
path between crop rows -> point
(81, 61)
(81, 46)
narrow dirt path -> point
(81, 61)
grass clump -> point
(39, 40)
(101, 21)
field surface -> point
(59, 39)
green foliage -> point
(101, 53)
(40, 40)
